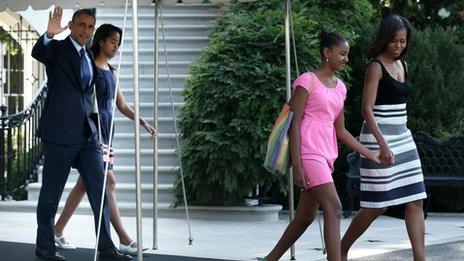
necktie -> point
(85, 70)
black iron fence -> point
(20, 150)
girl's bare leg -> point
(73, 201)
(115, 217)
(327, 197)
(304, 216)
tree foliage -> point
(237, 88)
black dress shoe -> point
(48, 255)
(112, 254)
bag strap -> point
(95, 110)
(294, 51)
(293, 41)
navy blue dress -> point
(105, 86)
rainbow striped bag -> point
(278, 145)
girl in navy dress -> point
(105, 45)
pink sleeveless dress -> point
(319, 148)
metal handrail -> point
(20, 149)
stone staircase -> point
(186, 29)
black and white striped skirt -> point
(402, 182)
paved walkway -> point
(243, 240)
(452, 251)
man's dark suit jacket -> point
(68, 106)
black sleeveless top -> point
(391, 91)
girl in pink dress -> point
(318, 119)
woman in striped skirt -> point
(400, 183)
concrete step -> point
(180, 68)
(125, 192)
(146, 94)
(146, 81)
(186, 29)
(267, 212)
(166, 157)
(126, 140)
(165, 127)
(148, 30)
(175, 68)
(168, 19)
(146, 109)
(177, 9)
(126, 174)
(170, 51)
(173, 54)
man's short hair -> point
(89, 12)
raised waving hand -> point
(54, 22)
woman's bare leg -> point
(358, 226)
(73, 201)
(415, 224)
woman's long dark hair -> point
(104, 31)
(387, 32)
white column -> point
(137, 130)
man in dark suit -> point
(70, 136)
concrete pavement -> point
(452, 251)
(243, 240)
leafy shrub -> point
(436, 104)
(436, 101)
(12, 46)
(237, 88)
(423, 14)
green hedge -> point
(237, 88)
(11, 44)
(436, 101)
(426, 13)
(436, 104)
